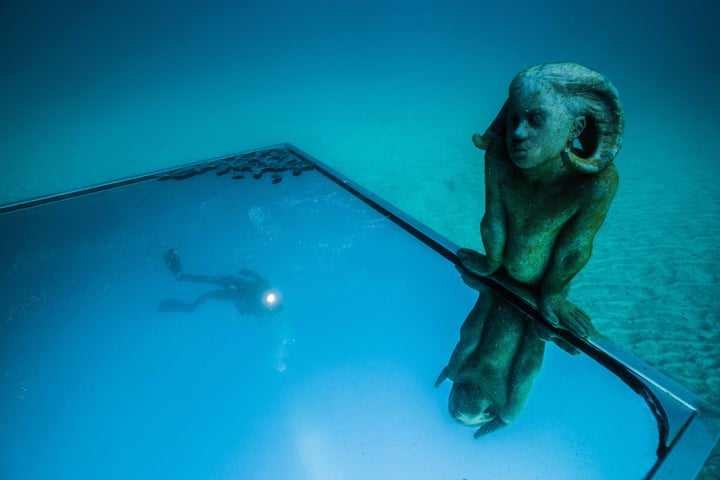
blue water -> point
(92, 91)
(389, 93)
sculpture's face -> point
(539, 124)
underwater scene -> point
(301, 341)
(389, 94)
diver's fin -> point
(172, 260)
(170, 305)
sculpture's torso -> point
(535, 214)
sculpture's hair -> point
(590, 94)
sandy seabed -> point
(652, 285)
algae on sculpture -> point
(549, 182)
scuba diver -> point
(250, 293)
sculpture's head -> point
(540, 123)
(549, 107)
(468, 405)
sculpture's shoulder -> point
(604, 184)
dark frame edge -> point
(80, 191)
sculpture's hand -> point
(561, 312)
(470, 280)
(475, 262)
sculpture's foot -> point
(546, 334)
(562, 313)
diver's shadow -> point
(250, 293)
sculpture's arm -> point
(492, 227)
(574, 244)
(572, 252)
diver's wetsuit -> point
(249, 292)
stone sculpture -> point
(549, 182)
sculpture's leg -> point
(526, 366)
(470, 334)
